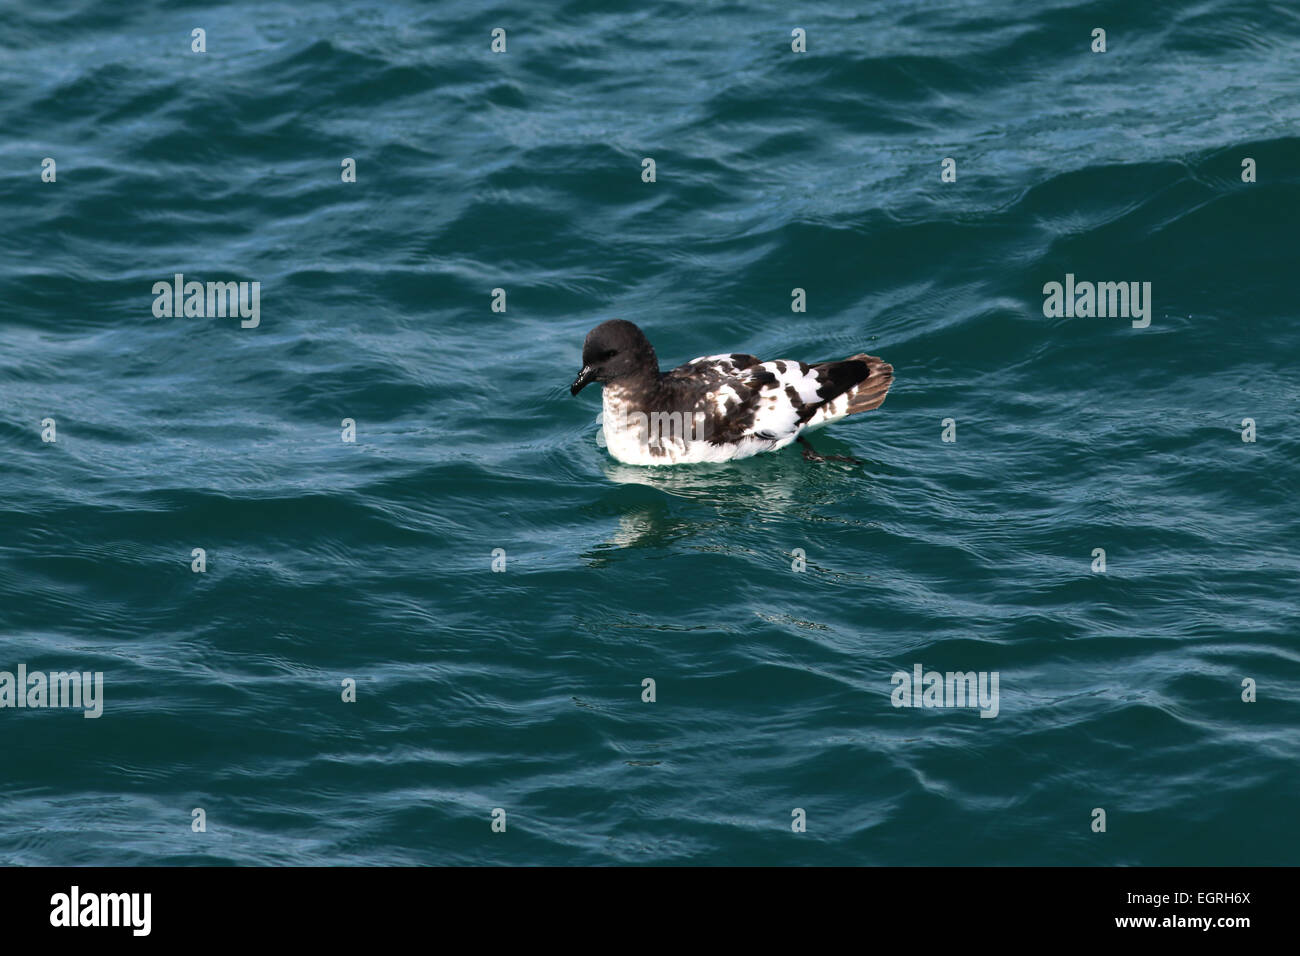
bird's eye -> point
(605, 355)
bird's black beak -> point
(584, 377)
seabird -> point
(718, 407)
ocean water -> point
(520, 690)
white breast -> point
(635, 439)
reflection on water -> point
(757, 490)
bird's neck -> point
(640, 390)
(646, 379)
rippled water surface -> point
(522, 690)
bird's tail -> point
(861, 392)
(871, 391)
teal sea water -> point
(522, 689)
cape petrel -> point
(718, 407)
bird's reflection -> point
(658, 506)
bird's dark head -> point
(615, 351)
